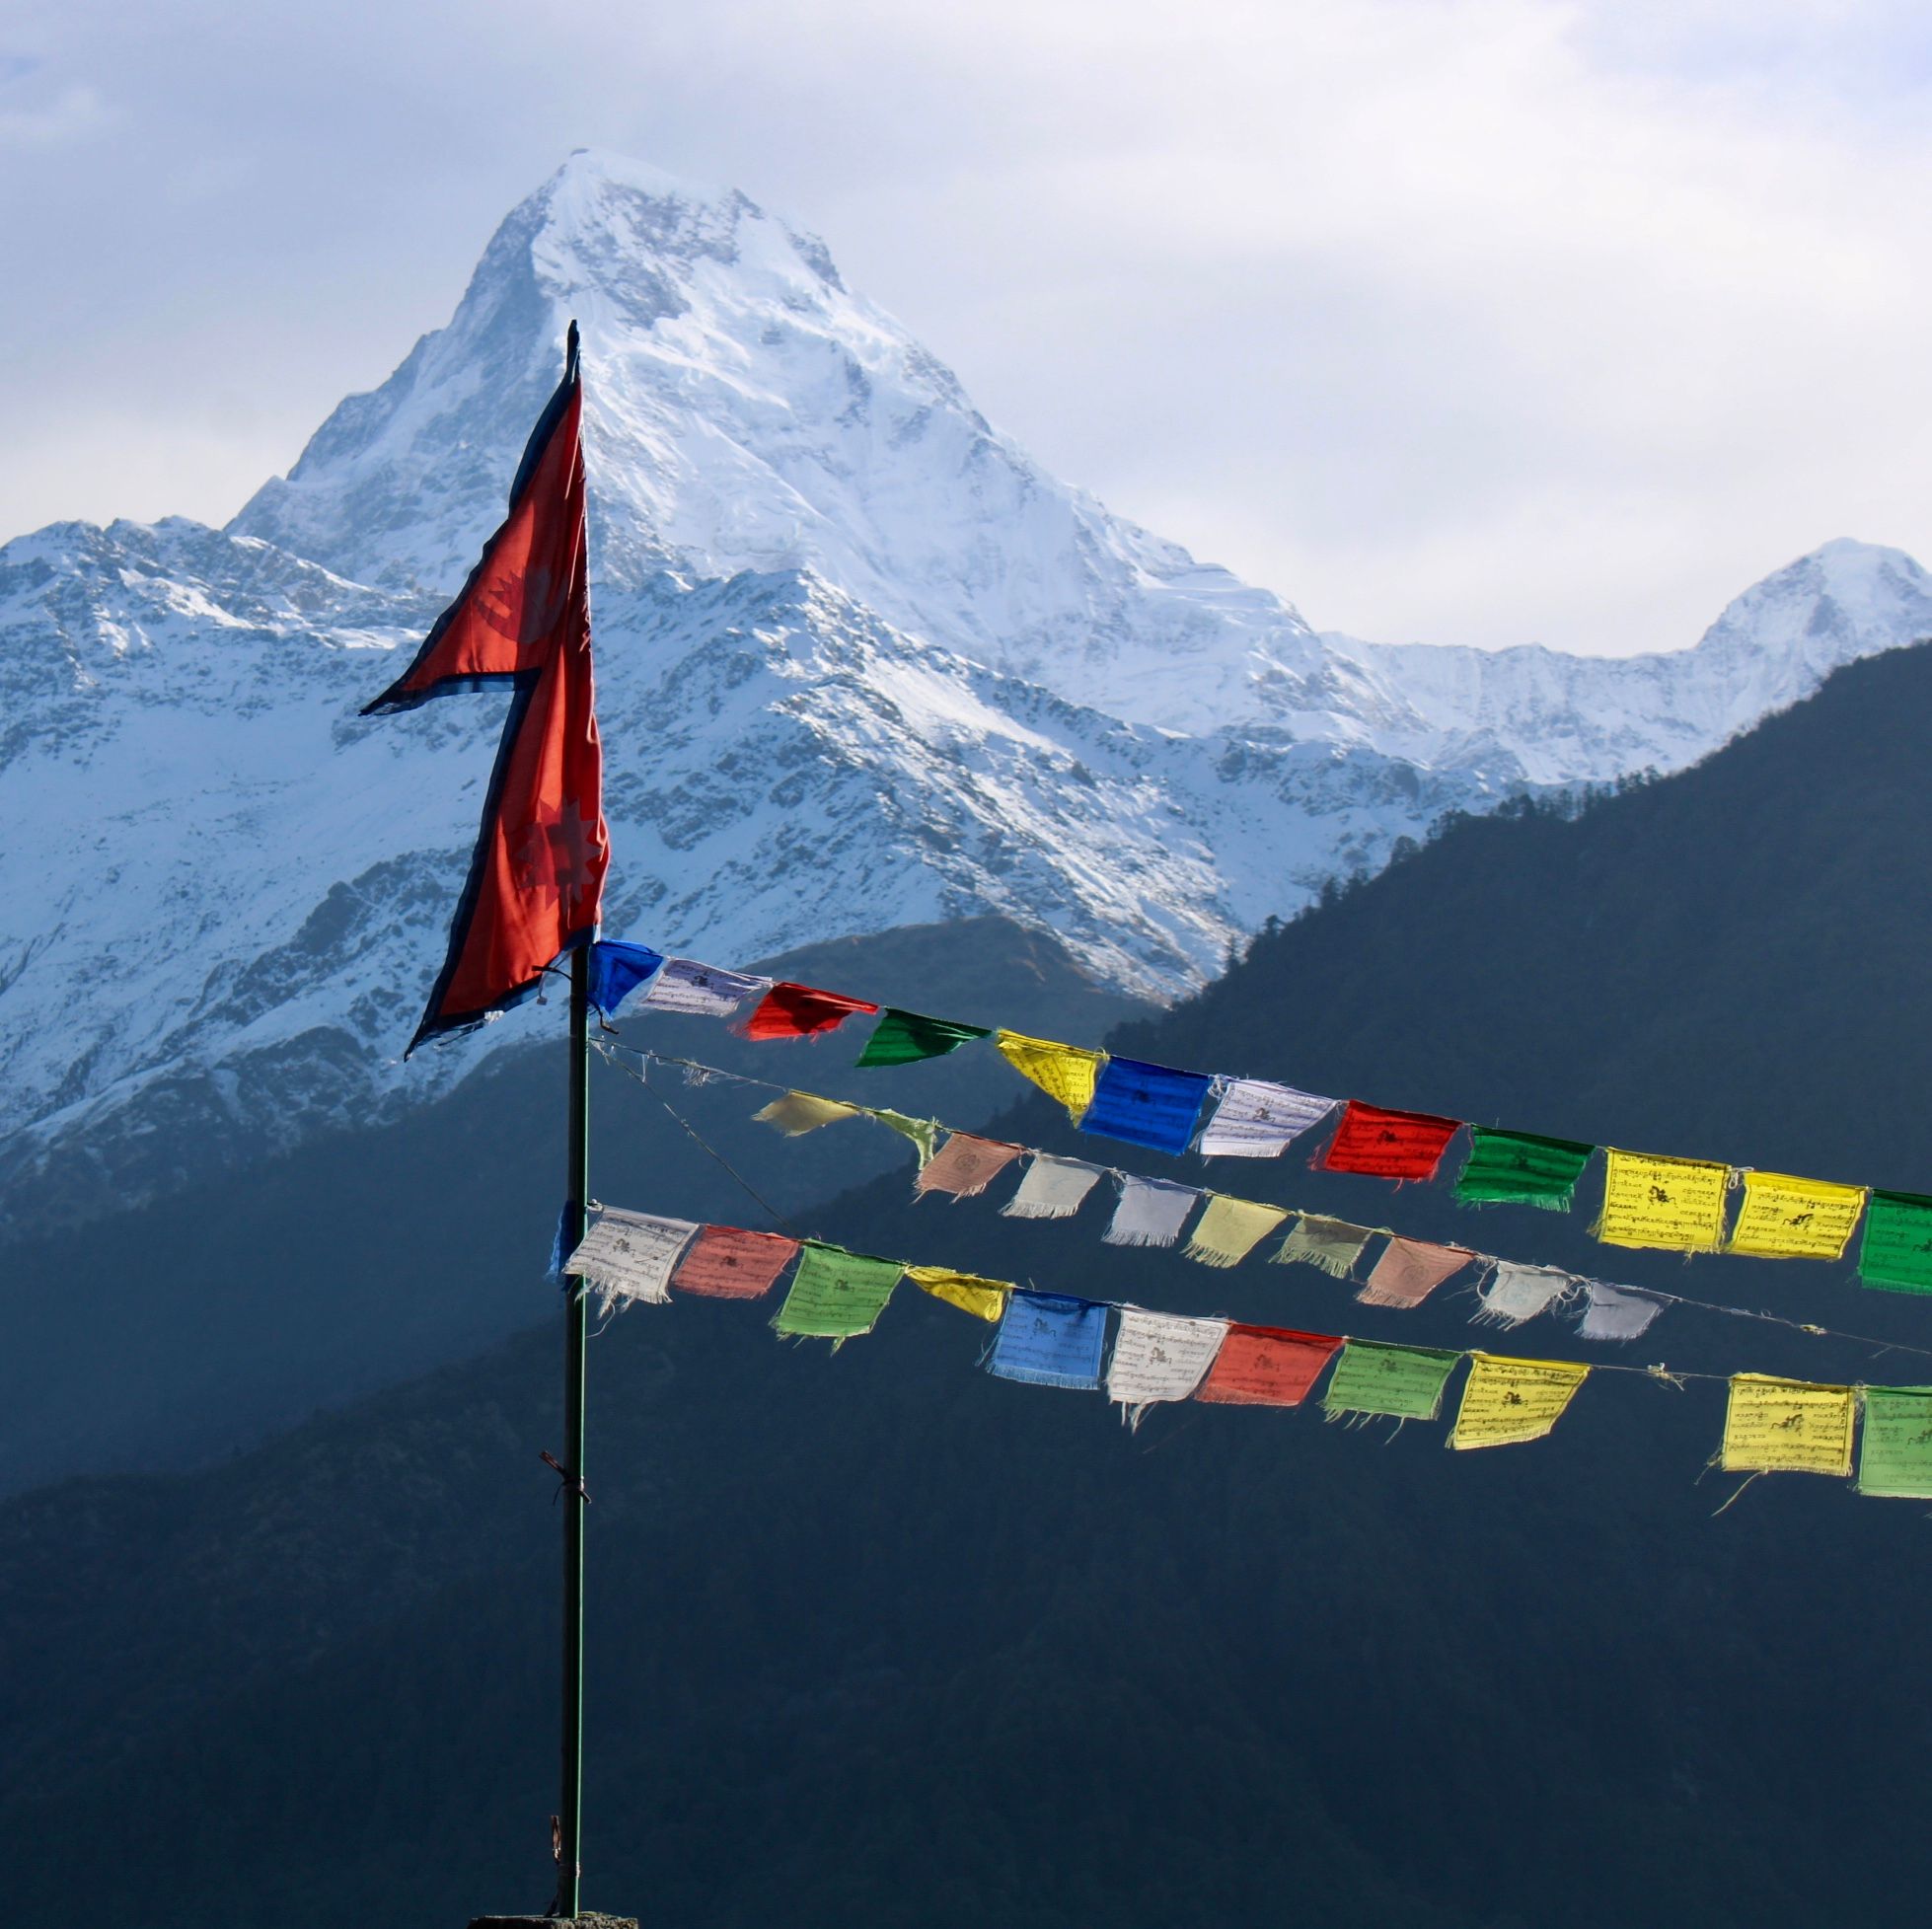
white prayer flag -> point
(629, 1255)
(1616, 1313)
(1053, 1188)
(1519, 1293)
(699, 990)
(1160, 1356)
(1256, 1119)
(1151, 1212)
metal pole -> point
(577, 1193)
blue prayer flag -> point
(616, 970)
(1050, 1340)
(1148, 1105)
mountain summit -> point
(862, 665)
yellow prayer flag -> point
(1062, 1071)
(1674, 1203)
(984, 1299)
(800, 1111)
(1786, 1426)
(1508, 1401)
(1795, 1219)
(1230, 1228)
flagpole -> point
(576, 1195)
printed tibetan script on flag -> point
(836, 1295)
(982, 1298)
(1504, 1401)
(1896, 1252)
(727, 1263)
(1151, 1212)
(1148, 1105)
(1065, 1072)
(1256, 1120)
(965, 1166)
(1519, 1293)
(699, 990)
(629, 1255)
(1674, 1203)
(1267, 1366)
(1795, 1219)
(1160, 1356)
(1409, 1271)
(1404, 1382)
(1894, 1452)
(1048, 1339)
(1388, 1144)
(1519, 1168)
(1786, 1426)
(1332, 1244)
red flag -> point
(523, 618)
(1267, 1366)
(1388, 1144)
(789, 1010)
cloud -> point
(1467, 319)
(73, 113)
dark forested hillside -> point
(876, 1638)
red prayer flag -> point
(727, 1263)
(536, 880)
(1388, 1144)
(1267, 1366)
(789, 1010)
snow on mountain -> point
(861, 663)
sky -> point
(1455, 321)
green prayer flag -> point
(1518, 1168)
(1403, 1381)
(836, 1293)
(1894, 1458)
(924, 1133)
(1897, 1251)
(901, 1037)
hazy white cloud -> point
(1468, 320)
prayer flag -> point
(699, 990)
(1230, 1228)
(1615, 1312)
(965, 1166)
(1333, 1244)
(982, 1298)
(725, 1262)
(1388, 1144)
(835, 1294)
(924, 1133)
(1256, 1119)
(1677, 1203)
(1786, 1426)
(1795, 1219)
(904, 1037)
(1409, 1271)
(1148, 1105)
(1065, 1072)
(800, 1112)
(1895, 1452)
(1896, 1252)
(1267, 1366)
(1504, 1401)
(616, 970)
(1048, 1339)
(1519, 1293)
(789, 1010)
(1053, 1188)
(1519, 1168)
(1158, 1357)
(629, 1255)
(536, 882)
(1151, 1212)
(1403, 1381)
